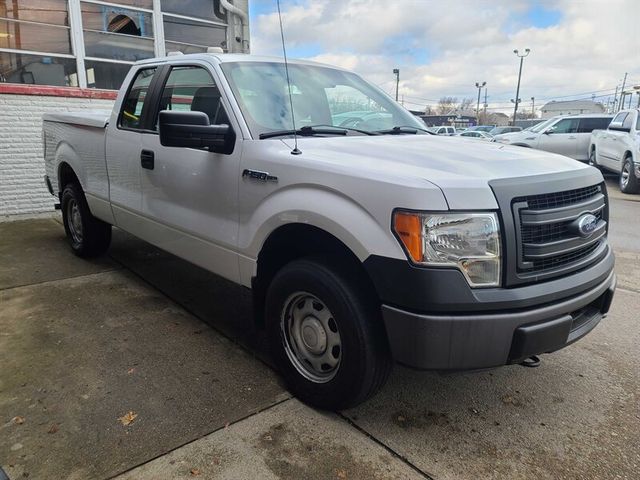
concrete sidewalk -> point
(139, 365)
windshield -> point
(320, 96)
(537, 128)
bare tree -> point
(465, 104)
(446, 104)
(429, 110)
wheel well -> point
(291, 242)
(626, 155)
(66, 175)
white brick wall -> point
(22, 188)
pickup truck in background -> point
(564, 134)
(364, 239)
(617, 149)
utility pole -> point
(479, 86)
(396, 72)
(521, 57)
(486, 105)
(533, 106)
(624, 82)
(615, 100)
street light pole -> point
(479, 86)
(515, 108)
(533, 106)
(396, 72)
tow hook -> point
(532, 362)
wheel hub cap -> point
(314, 335)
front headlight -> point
(467, 241)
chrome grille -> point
(547, 238)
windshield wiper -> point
(400, 129)
(306, 131)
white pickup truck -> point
(618, 149)
(366, 241)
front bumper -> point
(494, 327)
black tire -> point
(87, 235)
(364, 360)
(592, 158)
(628, 180)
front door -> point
(562, 138)
(190, 196)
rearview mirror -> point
(192, 130)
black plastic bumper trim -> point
(480, 340)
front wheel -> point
(592, 158)
(628, 179)
(326, 333)
(87, 235)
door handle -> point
(147, 158)
(572, 138)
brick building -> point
(74, 54)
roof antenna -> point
(295, 150)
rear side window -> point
(587, 125)
(191, 89)
(131, 113)
(568, 125)
(628, 122)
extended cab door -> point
(585, 127)
(561, 138)
(123, 144)
(190, 196)
(611, 145)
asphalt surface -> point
(139, 365)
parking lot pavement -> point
(86, 347)
(289, 441)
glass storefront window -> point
(53, 12)
(105, 75)
(184, 48)
(38, 70)
(105, 18)
(135, 3)
(207, 10)
(34, 37)
(194, 33)
(117, 47)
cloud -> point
(443, 48)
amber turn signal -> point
(408, 226)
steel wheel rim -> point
(310, 337)
(624, 178)
(74, 220)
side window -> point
(628, 122)
(587, 125)
(191, 89)
(131, 113)
(620, 118)
(567, 125)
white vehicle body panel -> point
(613, 145)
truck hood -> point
(461, 169)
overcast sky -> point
(578, 47)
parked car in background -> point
(477, 135)
(482, 128)
(507, 129)
(443, 130)
(618, 149)
(565, 134)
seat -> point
(207, 100)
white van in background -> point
(568, 135)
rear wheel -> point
(628, 179)
(326, 333)
(87, 235)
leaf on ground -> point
(53, 428)
(342, 474)
(128, 418)
(130, 371)
(18, 420)
(194, 472)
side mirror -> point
(192, 130)
(549, 130)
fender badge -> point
(259, 175)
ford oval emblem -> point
(587, 224)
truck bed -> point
(87, 118)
